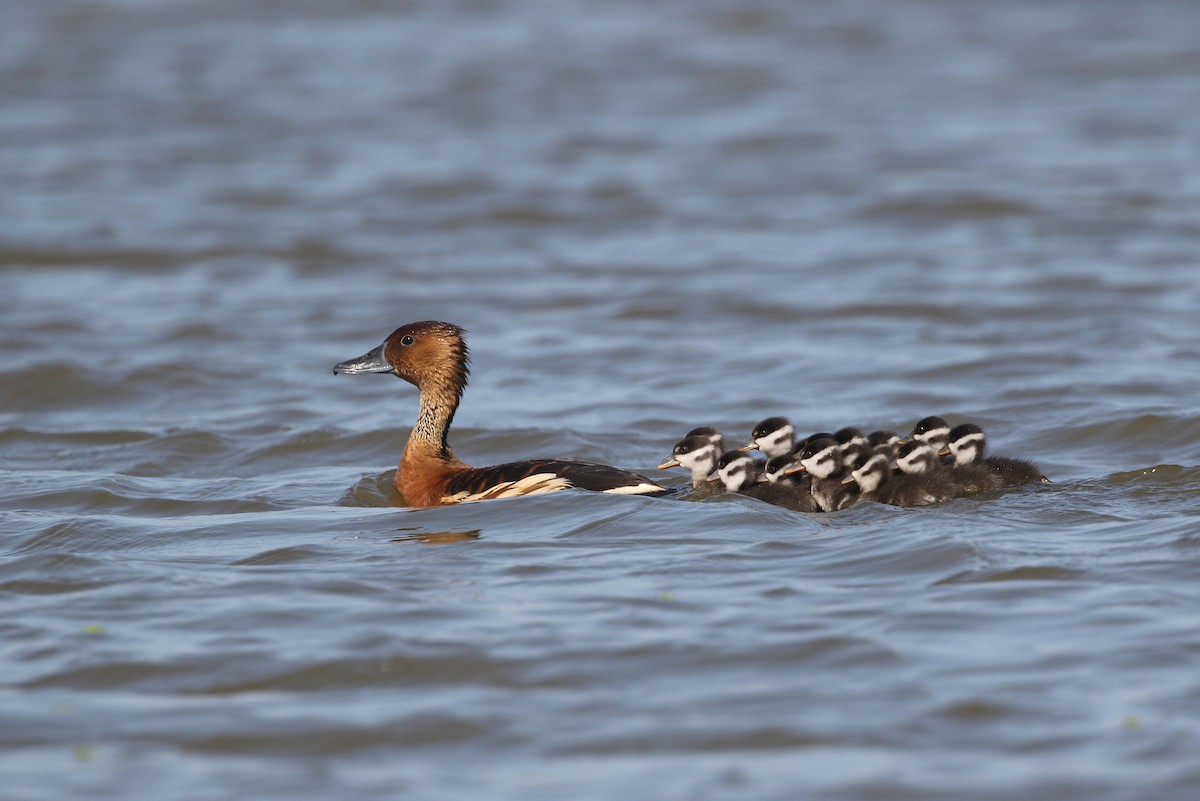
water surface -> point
(648, 219)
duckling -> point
(433, 356)
(696, 453)
(775, 436)
(887, 443)
(870, 474)
(714, 436)
(741, 474)
(933, 479)
(775, 471)
(934, 431)
(919, 479)
(822, 460)
(850, 438)
(968, 444)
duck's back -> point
(1012, 472)
(917, 489)
(796, 497)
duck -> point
(968, 445)
(698, 453)
(775, 436)
(918, 481)
(777, 471)
(850, 438)
(870, 475)
(822, 459)
(433, 356)
(743, 475)
(713, 435)
(886, 442)
(926, 479)
(932, 430)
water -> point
(648, 219)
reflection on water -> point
(437, 537)
(649, 218)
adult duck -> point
(433, 356)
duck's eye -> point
(406, 339)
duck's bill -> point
(847, 482)
(945, 452)
(752, 445)
(794, 468)
(669, 463)
(373, 362)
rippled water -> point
(648, 218)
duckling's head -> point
(968, 443)
(869, 470)
(849, 436)
(886, 442)
(711, 434)
(697, 454)
(428, 354)
(916, 458)
(852, 440)
(779, 469)
(933, 430)
(775, 436)
(736, 470)
(822, 457)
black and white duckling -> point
(780, 471)
(935, 478)
(886, 442)
(919, 479)
(777, 471)
(933, 431)
(740, 473)
(870, 474)
(968, 444)
(821, 458)
(714, 436)
(851, 439)
(775, 436)
(697, 453)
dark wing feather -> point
(584, 475)
(595, 477)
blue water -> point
(648, 219)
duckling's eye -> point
(406, 339)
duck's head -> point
(821, 457)
(711, 434)
(737, 470)
(916, 458)
(869, 470)
(421, 353)
(697, 454)
(774, 436)
(933, 430)
(967, 443)
(886, 442)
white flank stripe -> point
(635, 489)
(536, 484)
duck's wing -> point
(537, 476)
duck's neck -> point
(428, 440)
